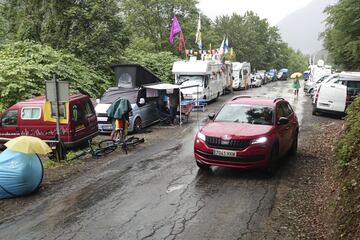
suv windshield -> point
(246, 114)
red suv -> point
(248, 132)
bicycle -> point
(95, 153)
(120, 141)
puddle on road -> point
(175, 187)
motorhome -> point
(206, 77)
(129, 79)
(241, 74)
(227, 68)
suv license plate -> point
(224, 153)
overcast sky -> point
(273, 10)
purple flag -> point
(175, 28)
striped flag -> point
(198, 34)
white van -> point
(335, 95)
(208, 75)
(241, 74)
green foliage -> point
(254, 41)
(152, 18)
(90, 29)
(24, 66)
(348, 162)
(342, 35)
(348, 147)
(160, 63)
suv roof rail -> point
(240, 96)
(279, 98)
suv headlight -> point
(201, 136)
(259, 140)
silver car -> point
(144, 110)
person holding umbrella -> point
(119, 113)
(296, 82)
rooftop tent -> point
(112, 94)
(133, 76)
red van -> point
(36, 117)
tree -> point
(24, 66)
(91, 29)
(151, 19)
(342, 34)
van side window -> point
(76, 113)
(62, 110)
(89, 109)
(10, 118)
(30, 113)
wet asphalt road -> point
(159, 193)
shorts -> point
(119, 124)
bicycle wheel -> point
(107, 146)
(134, 140)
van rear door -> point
(338, 97)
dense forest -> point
(77, 41)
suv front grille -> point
(237, 144)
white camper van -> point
(241, 74)
(208, 75)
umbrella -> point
(118, 108)
(28, 145)
(296, 75)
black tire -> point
(134, 140)
(202, 166)
(107, 144)
(294, 145)
(137, 125)
(273, 161)
(314, 112)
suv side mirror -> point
(283, 121)
(211, 116)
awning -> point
(168, 86)
(165, 86)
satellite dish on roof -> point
(320, 63)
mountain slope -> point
(302, 28)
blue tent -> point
(20, 174)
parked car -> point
(273, 74)
(248, 133)
(36, 117)
(334, 96)
(256, 80)
(144, 108)
(283, 74)
(309, 86)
